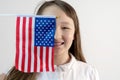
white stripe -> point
(44, 59)
(26, 45)
(50, 58)
(20, 46)
(32, 47)
(38, 59)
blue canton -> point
(44, 31)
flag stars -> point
(44, 31)
(41, 21)
(37, 20)
(50, 23)
(44, 20)
(53, 21)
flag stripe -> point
(38, 59)
(20, 44)
(26, 44)
(44, 56)
(52, 59)
(35, 59)
(32, 50)
(47, 59)
(41, 59)
(23, 42)
(50, 56)
(17, 41)
(29, 43)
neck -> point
(61, 59)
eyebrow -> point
(66, 23)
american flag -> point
(35, 43)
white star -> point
(52, 25)
(36, 44)
(37, 20)
(39, 23)
(48, 20)
(36, 34)
(36, 39)
(52, 20)
(40, 20)
(44, 20)
(42, 32)
(42, 27)
(36, 25)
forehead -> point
(58, 12)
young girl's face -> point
(65, 29)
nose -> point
(57, 35)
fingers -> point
(2, 76)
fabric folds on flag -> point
(35, 43)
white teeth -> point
(58, 43)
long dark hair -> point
(75, 48)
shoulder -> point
(86, 70)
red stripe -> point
(47, 58)
(35, 59)
(29, 43)
(41, 59)
(23, 42)
(17, 42)
(52, 60)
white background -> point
(100, 29)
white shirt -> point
(74, 70)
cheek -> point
(68, 37)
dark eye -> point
(65, 28)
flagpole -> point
(17, 15)
(28, 15)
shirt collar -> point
(66, 66)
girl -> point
(68, 58)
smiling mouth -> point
(58, 44)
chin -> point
(56, 53)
